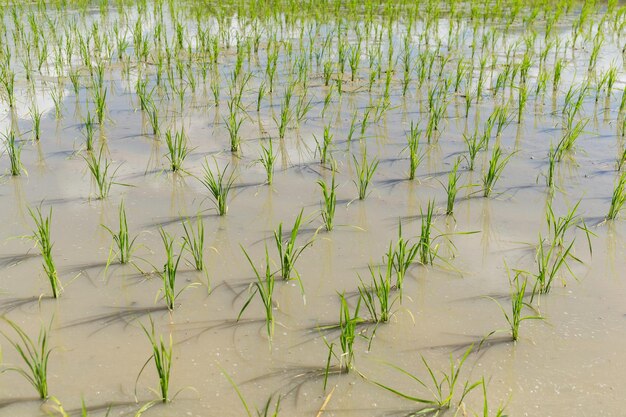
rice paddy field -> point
(312, 208)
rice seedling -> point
(264, 287)
(330, 201)
(427, 249)
(193, 241)
(14, 151)
(443, 388)
(266, 411)
(566, 144)
(618, 198)
(219, 185)
(162, 358)
(323, 148)
(122, 239)
(99, 167)
(35, 354)
(36, 117)
(415, 157)
(348, 324)
(233, 125)
(376, 297)
(494, 171)
(515, 318)
(177, 149)
(550, 258)
(474, 145)
(286, 114)
(288, 251)
(89, 132)
(267, 158)
(170, 269)
(365, 170)
(402, 257)
(452, 187)
(41, 236)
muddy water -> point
(570, 363)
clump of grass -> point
(177, 149)
(219, 185)
(122, 239)
(41, 235)
(264, 287)
(170, 270)
(515, 318)
(365, 170)
(35, 355)
(619, 197)
(330, 201)
(494, 171)
(162, 358)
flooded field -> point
(312, 208)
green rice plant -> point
(515, 318)
(35, 355)
(288, 251)
(365, 170)
(621, 159)
(162, 359)
(170, 269)
(122, 240)
(327, 72)
(99, 98)
(552, 159)
(286, 113)
(566, 144)
(558, 70)
(352, 128)
(7, 79)
(233, 124)
(153, 118)
(327, 99)
(99, 167)
(260, 95)
(266, 411)
(522, 98)
(377, 296)
(452, 187)
(303, 106)
(622, 104)
(618, 198)
(550, 259)
(36, 116)
(177, 149)
(499, 411)
(330, 201)
(14, 151)
(193, 241)
(402, 257)
(89, 132)
(494, 171)
(267, 158)
(415, 156)
(264, 287)
(474, 145)
(323, 148)
(427, 249)
(41, 236)
(348, 324)
(443, 388)
(219, 185)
